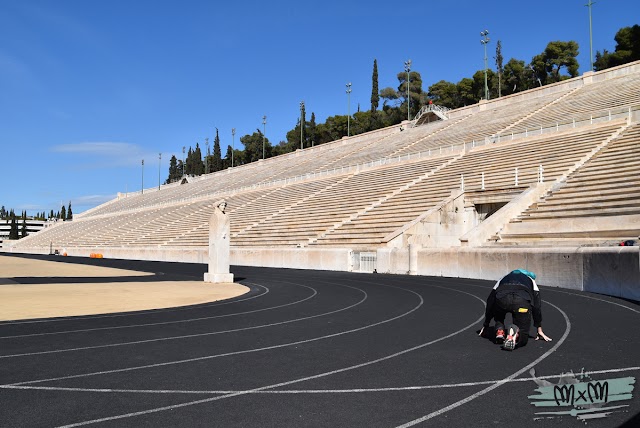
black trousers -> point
(520, 310)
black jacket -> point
(521, 285)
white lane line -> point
(246, 351)
(190, 336)
(135, 313)
(594, 298)
(309, 391)
(357, 366)
(499, 383)
(164, 322)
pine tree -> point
(173, 170)
(63, 213)
(217, 154)
(226, 162)
(375, 96)
(69, 212)
(51, 215)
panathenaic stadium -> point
(546, 179)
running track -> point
(308, 348)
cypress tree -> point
(375, 96)
(13, 230)
(69, 212)
(217, 154)
(63, 213)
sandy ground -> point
(29, 301)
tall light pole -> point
(349, 109)
(206, 158)
(159, 162)
(142, 188)
(301, 123)
(407, 68)
(485, 41)
(183, 166)
(591, 3)
(233, 144)
(264, 132)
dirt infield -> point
(48, 298)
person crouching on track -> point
(516, 293)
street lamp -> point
(233, 144)
(142, 188)
(348, 109)
(484, 41)
(301, 123)
(407, 68)
(159, 162)
(590, 35)
(264, 132)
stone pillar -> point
(219, 235)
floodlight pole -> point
(159, 163)
(142, 188)
(301, 124)
(206, 157)
(183, 167)
(591, 3)
(348, 109)
(233, 144)
(485, 41)
(264, 133)
(407, 68)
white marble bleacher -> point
(595, 99)
(347, 197)
(599, 202)
(557, 153)
(483, 125)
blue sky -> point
(89, 88)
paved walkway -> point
(311, 348)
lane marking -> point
(235, 394)
(190, 336)
(500, 382)
(163, 322)
(136, 313)
(307, 391)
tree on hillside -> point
(517, 77)
(63, 213)
(217, 154)
(627, 49)
(556, 57)
(23, 230)
(444, 94)
(499, 67)
(173, 170)
(69, 212)
(253, 146)
(465, 92)
(13, 229)
(389, 97)
(226, 162)
(375, 97)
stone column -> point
(219, 231)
